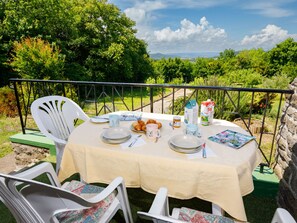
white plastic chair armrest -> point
(175, 213)
(217, 210)
(160, 204)
(282, 216)
(117, 182)
(159, 210)
(51, 136)
(38, 170)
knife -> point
(203, 151)
(134, 141)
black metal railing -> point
(245, 106)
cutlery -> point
(134, 141)
(203, 151)
(157, 138)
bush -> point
(158, 80)
(37, 59)
(8, 102)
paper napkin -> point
(139, 142)
(209, 153)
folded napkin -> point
(131, 116)
(209, 153)
(125, 116)
(140, 142)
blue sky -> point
(193, 26)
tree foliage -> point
(35, 58)
(97, 40)
(246, 68)
(283, 58)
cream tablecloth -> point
(222, 179)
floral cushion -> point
(90, 215)
(193, 216)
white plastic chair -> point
(55, 117)
(42, 202)
(12, 203)
(282, 216)
(159, 213)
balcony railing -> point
(244, 105)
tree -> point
(255, 59)
(227, 54)
(204, 67)
(98, 41)
(200, 67)
(284, 54)
(173, 68)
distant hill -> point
(184, 55)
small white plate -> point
(116, 133)
(115, 141)
(97, 119)
(185, 141)
(134, 130)
(181, 150)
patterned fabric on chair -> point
(193, 216)
(87, 215)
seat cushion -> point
(193, 216)
(90, 215)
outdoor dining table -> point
(222, 178)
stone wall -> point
(286, 154)
(27, 155)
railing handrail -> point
(226, 88)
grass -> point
(8, 126)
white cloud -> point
(272, 8)
(141, 13)
(137, 15)
(202, 32)
(189, 37)
(151, 5)
(267, 38)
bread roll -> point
(137, 127)
(151, 121)
(143, 128)
(140, 122)
(159, 125)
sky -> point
(193, 26)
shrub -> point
(8, 102)
(37, 59)
(158, 80)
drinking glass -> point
(114, 120)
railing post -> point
(19, 106)
(152, 99)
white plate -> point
(181, 150)
(116, 133)
(185, 141)
(115, 141)
(97, 119)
